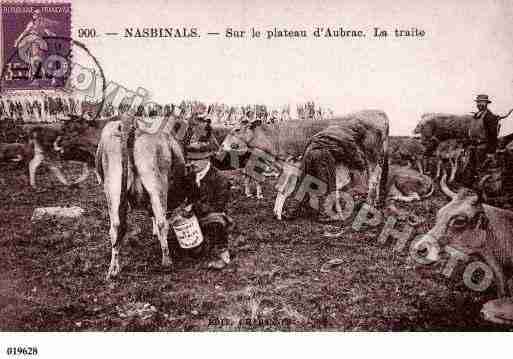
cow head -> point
(246, 139)
(78, 140)
(462, 223)
(236, 144)
(237, 139)
(247, 135)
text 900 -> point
(21, 351)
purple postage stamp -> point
(36, 45)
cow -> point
(45, 141)
(16, 152)
(437, 127)
(281, 141)
(235, 142)
(456, 153)
(74, 139)
(78, 141)
(144, 169)
(475, 228)
(358, 143)
(496, 183)
(405, 184)
(407, 150)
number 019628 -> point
(21, 350)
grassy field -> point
(53, 273)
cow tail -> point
(127, 148)
(384, 168)
(178, 158)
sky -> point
(467, 50)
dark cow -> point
(456, 153)
(16, 152)
(79, 140)
(46, 150)
(437, 127)
(407, 150)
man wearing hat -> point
(201, 139)
(489, 120)
(212, 193)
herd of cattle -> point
(146, 169)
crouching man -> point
(209, 200)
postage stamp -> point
(36, 44)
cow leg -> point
(116, 231)
(259, 194)
(98, 177)
(454, 168)
(420, 166)
(247, 189)
(285, 189)
(342, 178)
(155, 231)
(374, 180)
(156, 186)
(162, 227)
(438, 168)
(33, 165)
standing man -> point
(491, 125)
(490, 122)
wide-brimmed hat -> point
(482, 98)
(204, 115)
(257, 121)
(198, 155)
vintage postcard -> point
(237, 166)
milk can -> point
(187, 230)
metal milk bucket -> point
(187, 231)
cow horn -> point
(56, 146)
(483, 181)
(481, 188)
(445, 188)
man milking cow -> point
(211, 194)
